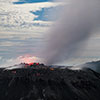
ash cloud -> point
(76, 23)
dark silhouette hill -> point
(46, 83)
(95, 65)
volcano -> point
(40, 82)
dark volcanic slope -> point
(49, 84)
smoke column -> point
(76, 23)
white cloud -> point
(0, 57)
(20, 59)
(8, 44)
(17, 23)
(7, 1)
(18, 16)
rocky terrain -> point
(40, 82)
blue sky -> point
(47, 14)
(31, 1)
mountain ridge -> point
(47, 83)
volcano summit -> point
(40, 82)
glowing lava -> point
(31, 64)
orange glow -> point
(28, 59)
(52, 69)
(31, 64)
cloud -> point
(17, 23)
(19, 16)
(9, 43)
(18, 28)
(0, 57)
(20, 59)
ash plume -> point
(76, 23)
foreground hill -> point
(49, 84)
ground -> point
(45, 83)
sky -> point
(23, 26)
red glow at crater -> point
(31, 64)
(29, 59)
